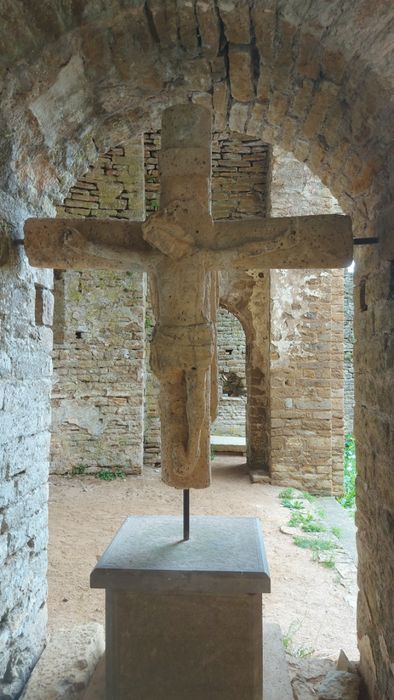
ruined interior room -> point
(301, 102)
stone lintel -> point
(224, 556)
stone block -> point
(208, 24)
(236, 20)
(238, 117)
(67, 664)
(340, 685)
(180, 613)
(241, 73)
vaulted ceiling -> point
(314, 77)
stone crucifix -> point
(183, 249)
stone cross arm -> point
(85, 244)
(287, 242)
(302, 242)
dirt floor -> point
(311, 604)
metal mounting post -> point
(186, 514)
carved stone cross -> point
(183, 249)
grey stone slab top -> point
(225, 555)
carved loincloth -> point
(182, 347)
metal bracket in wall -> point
(365, 241)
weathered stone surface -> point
(5, 246)
(199, 600)
(25, 373)
(301, 690)
(240, 168)
(235, 17)
(343, 663)
(241, 73)
(339, 685)
(67, 664)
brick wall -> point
(306, 348)
(232, 378)
(348, 349)
(99, 348)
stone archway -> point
(75, 80)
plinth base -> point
(184, 619)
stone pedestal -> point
(184, 619)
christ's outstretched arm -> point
(287, 242)
(113, 256)
(86, 244)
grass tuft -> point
(313, 543)
(111, 474)
(286, 493)
(348, 500)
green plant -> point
(293, 505)
(313, 543)
(111, 474)
(149, 323)
(313, 527)
(306, 522)
(328, 563)
(336, 531)
(286, 493)
(303, 652)
(348, 500)
(79, 469)
(288, 641)
(308, 496)
(297, 518)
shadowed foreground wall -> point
(26, 305)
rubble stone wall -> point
(374, 421)
(26, 304)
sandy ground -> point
(85, 513)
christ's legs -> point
(182, 359)
(182, 409)
(196, 388)
(172, 401)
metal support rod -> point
(186, 514)
(365, 241)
